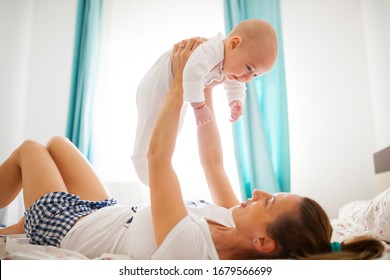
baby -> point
(249, 50)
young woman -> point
(67, 205)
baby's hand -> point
(203, 115)
(236, 110)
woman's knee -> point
(26, 147)
(30, 144)
(55, 141)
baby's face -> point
(244, 64)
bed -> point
(365, 217)
(355, 218)
(16, 247)
(370, 217)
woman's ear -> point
(234, 42)
(264, 244)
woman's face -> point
(253, 216)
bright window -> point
(135, 34)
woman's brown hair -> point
(307, 235)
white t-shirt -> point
(128, 230)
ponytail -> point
(357, 248)
(308, 236)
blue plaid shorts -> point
(51, 217)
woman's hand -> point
(180, 54)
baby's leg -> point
(32, 167)
(150, 96)
(78, 174)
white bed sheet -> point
(365, 217)
(16, 247)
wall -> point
(36, 51)
(50, 68)
(377, 38)
(15, 31)
(330, 113)
(36, 59)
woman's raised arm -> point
(211, 157)
(167, 204)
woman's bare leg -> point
(58, 167)
(78, 174)
(10, 180)
(32, 167)
(17, 228)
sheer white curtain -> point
(135, 34)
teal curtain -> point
(261, 138)
(85, 67)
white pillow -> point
(370, 216)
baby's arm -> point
(204, 58)
(236, 110)
(236, 92)
(202, 112)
